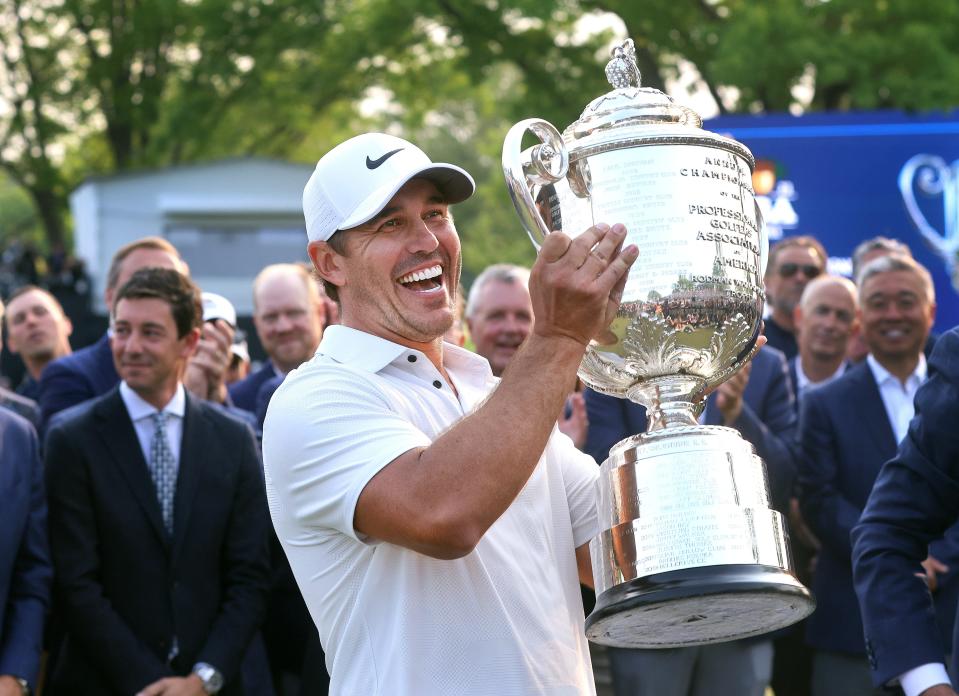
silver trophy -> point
(691, 552)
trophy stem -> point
(667, 400)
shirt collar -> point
(140, 409)
(802, 379)
(372, 353)
(882, 375)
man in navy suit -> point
(758, 402)
(89, 372)
(25, 571)
(914, 501)
(158, 521)
(289, 315)
(849, 428)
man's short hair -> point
(172, 287)
(880, 243)
(804, 241)
(24, 289)
(295, 269)
(507, 273)
(897, 262)
(156, 243)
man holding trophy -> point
(435, 523)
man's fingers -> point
(616, 272)
(605, 249)
(554, 247)
(582, 246)
(154, 689)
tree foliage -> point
(102, 85)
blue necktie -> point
(163, 470)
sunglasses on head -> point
(788, 270)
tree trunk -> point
(51, 208)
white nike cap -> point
(218, 307)
(355, 180)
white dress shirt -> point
(898, 399)
(803, 382)
(141, 414)
(897, 396)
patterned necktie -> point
(163, 470)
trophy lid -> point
(629, 104)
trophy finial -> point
(622, 70)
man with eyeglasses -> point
(793, 262)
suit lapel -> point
(116, 430)
(195, 437)
(868, 405)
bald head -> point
(826, 318)
(288, 313)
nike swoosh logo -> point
(373, 164)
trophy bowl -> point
(691, 552)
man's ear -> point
(190, 343)
(327, 263)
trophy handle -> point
(541, 164)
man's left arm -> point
(915, 498)
(246, 573)
(21, 635)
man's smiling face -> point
(401, 268)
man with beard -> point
(435, 526)
(793, 262)
(38, 331)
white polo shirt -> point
(505, 619)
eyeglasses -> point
(788, 270)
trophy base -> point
(698, 606)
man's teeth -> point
(425, 274)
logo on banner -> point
(933, 178)
(775, 197)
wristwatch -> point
(210, 676)
(24, 686)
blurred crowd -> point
(126, 601)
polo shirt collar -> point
(140, 409)
(372, 353)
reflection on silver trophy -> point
(691, 552)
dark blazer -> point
(243, 393)
(846, 437)
(794, 378)
(125, 587)
(21, 405)
(25, 570)
(264, 395)
(780, 339)
(768, 420)
(76, 378)
(914, 500)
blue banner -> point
(843, 178)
